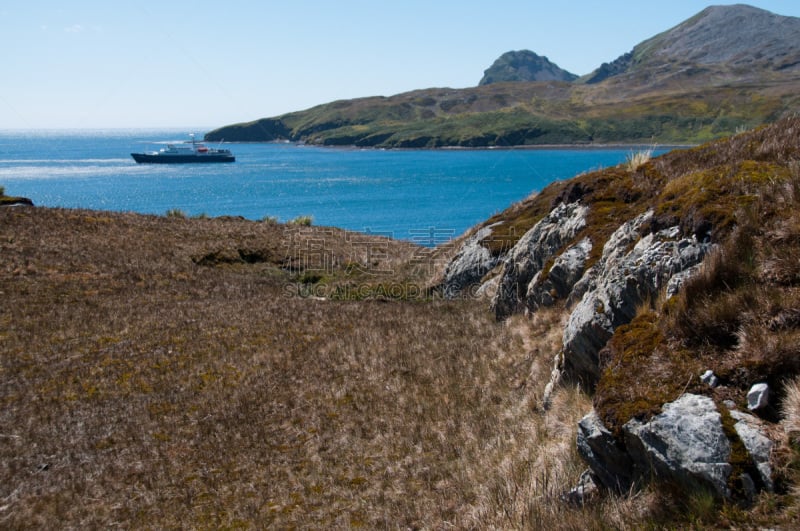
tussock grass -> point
(790, 451)
(738, 316)
(304, 221)
(791, 411)
(175, 213)
(636, 159)
(162, 372)
(166, 372)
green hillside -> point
(693, 83)
(514, 114)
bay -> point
(427, 196)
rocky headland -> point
(6, 200)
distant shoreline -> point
(565, 147)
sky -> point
(176, 63)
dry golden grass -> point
(791, 412)
(636, 159)
(164, 372)
(789, 451)
(140, 388)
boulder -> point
(758, 445)
(685, 443)
(583, 492)
(758, 396)
(532, 251)
(612, 466)
(469, 265)
(708, 377)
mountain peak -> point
(524, 65)
(737, 34)
(734, 36)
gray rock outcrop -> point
(559, 282)
(548, 264)
(685, 444)
(623, 279)
(522, 66)
(610, 463)
(758, 445)
(532, 251)
(469, 265)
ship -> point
(189, 152)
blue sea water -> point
(426, 196)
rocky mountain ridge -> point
(759, 41)
(524, 65)
(760, 38)
(668, 271)
(727, 68)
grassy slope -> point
(164, 372)
(676, 87)
(141, 388)
(684, 108)
(740, 316)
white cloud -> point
(75, 28)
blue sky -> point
(141, 63)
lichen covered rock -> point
(560, 280)
(469, 265)
(758, 445)
(532, 251)
(612, 466)
(686, 443)
(631, 270)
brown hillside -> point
(213, 373)
(166, 372)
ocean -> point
(427, 196)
